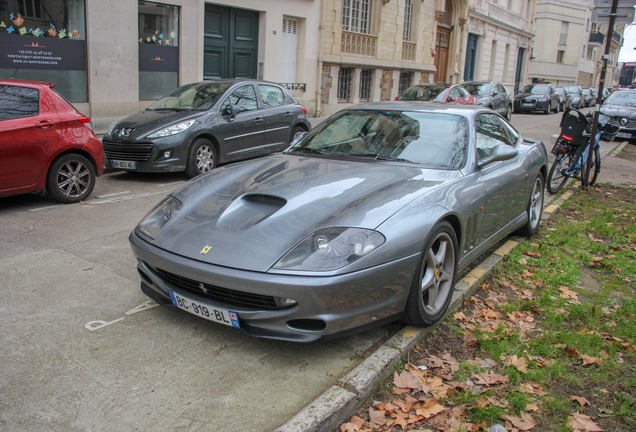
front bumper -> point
(531, 106)
(148, 156)
(326, 305)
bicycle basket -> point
(573, 125)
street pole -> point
(585, 174)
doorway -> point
(519, 73)
(442, 43)
(471, 57)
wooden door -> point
(441, 59)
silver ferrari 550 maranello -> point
(364, 220)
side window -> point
(512, 133)
(17, 102)
(272, 96)
(489, 133)
(501, 89)
(244, 97)
(462, 93)
(454, 93)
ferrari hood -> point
(250, 214)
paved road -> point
(84, 349)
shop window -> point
(158, 49)
(344, 84)
(45, 40)
(366, 77)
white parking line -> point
(44, 208)
(113, 194)
(170, 184)
(126, 198)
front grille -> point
(223, 295)
(631, 124)
(127, 152)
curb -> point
(343, 398)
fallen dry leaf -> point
(490, 378)
(587, 360)
(578, 422)
(532, 407)
(376, 417)
(430, 408)
(521, 364)
(532, 254)
(406, 380)
(581, 400)
(525, 423)
(568, 293)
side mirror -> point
(231, 111)
(501, 152)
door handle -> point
(288, 114)
(44, 124)
(258, 120)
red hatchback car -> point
(45, 143)
(438, 93)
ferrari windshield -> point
(479, 89)
(425, 93)
(623, 98)
(432, 139)
(197, 96)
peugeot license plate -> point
(124, 164)
(222, 316)
(623, 135)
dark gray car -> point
(365, 220)
(578, 100)
(565, 98)
(619, 110)
(491, 94)
(537, 97)
(203, 124)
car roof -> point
(11, 81)
(423, 106)
(445, 85)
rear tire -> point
(201, 158)
(556, 110)
(509, 113)
(595, 168)
(535, 208)
(434, 280)
(296, 130)
(71, 178)
(557, 177)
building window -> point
(560, 55)
(355, 15)
(583, 52)
(56, 29)
(344, 84)
(408, 12)
(158, 49)
(366, 77)
(406, 78)
(564, 33)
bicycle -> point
(572, 148)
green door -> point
(230, 45)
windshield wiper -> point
(377, 156)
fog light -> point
(289, 302)
(166, 154)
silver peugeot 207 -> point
(365, 220)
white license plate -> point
(623, 135)
(528, 104)
(222, 316)
(124, 164)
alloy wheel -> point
(73, 179)
(205, 159)
(438, 271)
(536, 204)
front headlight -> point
(159, 216)
(482, 103)
(111, 128)
(330, 249)
(542, 99)
(602, 118)
(172, 129)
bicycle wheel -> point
(557, 176)
(596, 166)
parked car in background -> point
(365, 220)
(203, 124)
(589, 98)
(537, 97)
(565, 98)
(491, 95)
(45, 143)
(438, 93)
(619, 109)
(577, 96)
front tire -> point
(535, 208)
(201, 158)
(557, 177)
(434, 280)
(547, 109)
(509, 113)
(71, 178)
(595, 168)
(556, 110)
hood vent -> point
(249, 210)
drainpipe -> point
(320, 54)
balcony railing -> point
(360, 44)
(408, 50)
(597, 37)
